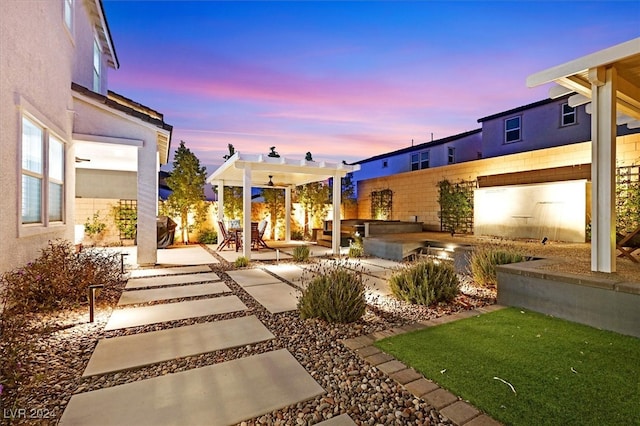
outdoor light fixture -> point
(270, 181)
(544, 240)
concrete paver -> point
(377, 286)
(121, 353)
(137, 283)
(177, 255)
(341, 420)
(288, 271)
(155, 294)
(219, 394)
(252, 277)
(133, 317)
(275, 298)
(460, 412)
(151, 272)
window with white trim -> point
(68, 14)
(568, 115)
(97, 65)
(451, 155)
(42, 175)
(513, 129)
(420, 160)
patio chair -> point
(628, 244)
(227, 237)
(262, 226)
(255, 236)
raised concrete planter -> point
(604, 303)
(371, 229)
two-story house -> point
(61, 125)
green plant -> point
(241, 262)
(208, 236)
(300, 253)
(336, 294)
(485, 258)
(356, 249)
(297, 235)
(126, 219)
(456, 205)
(94, 226)
(426, 282)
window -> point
(97, 65)
(42, 175)
(512, 128)
(420, 160)
(68, 14)
(451, 155)
(568, 115)
(385, 164)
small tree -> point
(348, 195)
(274, 200)
(313, 197)
(187, 183)
(233, 202)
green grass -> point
(563, 373)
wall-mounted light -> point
(270, 181)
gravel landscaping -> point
(53, 370)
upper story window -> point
(568, 115)
(42, 175)
(513, 129)
(385, 164)
(97, 65)
(451, 155)
(68, 14)
(420, 160)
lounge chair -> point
(628, 244)
(262, 226)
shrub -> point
(94, 226)
(485, 258)
(297, 234)
(241, 262)
(426, 282)
(300, 254)
(59, 278)
(355, 248)
(208, 236)
(334, 295)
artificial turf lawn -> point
(563, 373)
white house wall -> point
(555, 210)
(35, 74)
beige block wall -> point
(416, 193)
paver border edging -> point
(451, 406)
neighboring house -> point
(64, 132)
(544, 124)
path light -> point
(92, 299)
(544, 240)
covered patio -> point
(610, 81)
(263, 171)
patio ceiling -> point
(283, 172)
(580, 74)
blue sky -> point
(344, 80)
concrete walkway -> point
(220, 394)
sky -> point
(344, 80)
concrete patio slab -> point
(230, 255)
(138, 283)
(377, 286)
(185, 255)
(275, 298)
(383, 263)
(134, 317)
(341, 420)
(219, 394)
(154, 272)
(252, 277)
(121, 353)
(149, 295)
(288, 271)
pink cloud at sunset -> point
(344, 80)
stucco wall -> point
(35, 77)
(416, 194)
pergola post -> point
(603, 167)
(246, 211)
(287, 213)
(335, 231)
(220, 192)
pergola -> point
(263, 171)
(610, 80)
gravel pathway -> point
(53, 371)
